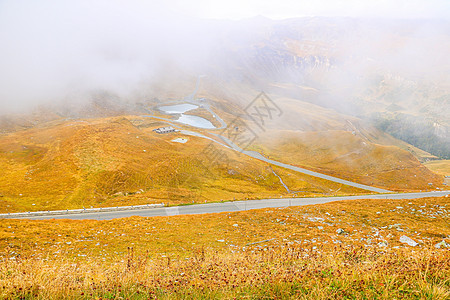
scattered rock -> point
(221, 241)
(382, 244)
(236, 225)
(232, 172)
(406, 240)
(396, 226)
(316, 219)
(442, 244)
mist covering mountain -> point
(393, 74)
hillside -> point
(109, 161)
(190, 108)
(363, 68)
(350, 249)
(350, 156)
(115, 161)
(441, 167)
(333, 79)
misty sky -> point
(49, 49)
(236, 9)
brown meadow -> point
(343, 250)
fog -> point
(63, 51)
(54, 50)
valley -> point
(149, 153)
(101, 175)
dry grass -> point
(293, 252)
(441, 167)
(111, 162)
(288, 272)
(114, 162)
(352, 157)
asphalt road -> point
(241, 205)
(301, 170)
(233, 206)
(231, 145)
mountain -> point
(362, 100)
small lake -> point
(190, 120)
(178, 108)
(195, 121)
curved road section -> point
(229, 144)
(230, 206)
(301, 170)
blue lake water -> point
(195, 121)
(190, 120)
(178, 108)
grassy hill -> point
(341, 250)
(349, 155)
(110, 161)
(115, 161)
(439, 166)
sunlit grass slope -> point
(348, 155)
(111, 162)
(439, 166)
(340, 250)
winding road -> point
(231, 145)
(301, 170)
(235, 205)
(230, 206)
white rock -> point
(441, 244)
(340, 231)
(382, 244)
(406, 240)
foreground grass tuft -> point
(286, 272)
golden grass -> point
(441, 167)
(293, 252)
(111, 162)
(291, 272)
(351, 157)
